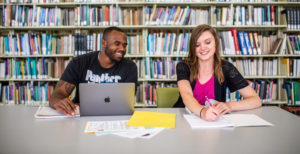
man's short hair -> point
(110, 29)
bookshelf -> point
(156, 42)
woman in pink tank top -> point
(205, 68)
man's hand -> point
(65, 106)
(60, 101)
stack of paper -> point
(142, 124)
(45, 112)
(229, 120)
(119, 128)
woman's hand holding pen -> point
(66, 106)
(222, 108)
(209, 114)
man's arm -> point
(59, 99)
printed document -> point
(108, 126)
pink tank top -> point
(206, 89)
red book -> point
(236, 42)
(48, 92)
(107, 14)
(272, 15)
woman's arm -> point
(250, 101)
(186, 92)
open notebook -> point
(45, 112)
(228, 120)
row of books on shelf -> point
(32, 68)
(158, 43)
(28, 93)
(176, 15)
(83, 15)
(140, 67)
(36, 44)
(37, 93)
(258, 43)
(168, 43)
(109, 1)
(85, 43)
(290, 67)
(54, 43)
(147, 93)
(246, 15)
(292, 43)
(94, 1)
(160, 68)
(293, 18)
(292, 90)
(256, 66)
(265, 89)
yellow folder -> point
(152, 119)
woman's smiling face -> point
(205, 46)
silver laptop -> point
(105, 99)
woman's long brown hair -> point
(192, 60)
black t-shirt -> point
(87, 69)
(232, 79)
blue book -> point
(186, 37)
(269, 15)
(171, 15)
(148, 44)
(159, 69)
(46, 92)
(165, 43)
(248, 43)
(241, 43)
(263, 21)
(100, 19)
(42, 23)
(6, 94)
(287, 86)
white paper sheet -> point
(196, 122)
(228, 120)
(45, 112)
(241, 120)
(109, 126)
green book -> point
(296, 92)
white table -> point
(21, 133)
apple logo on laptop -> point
(107, 100)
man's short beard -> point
(109, 55)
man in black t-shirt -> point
(107, 66)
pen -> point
(210, 104)
(73, 114)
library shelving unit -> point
(39, 37)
